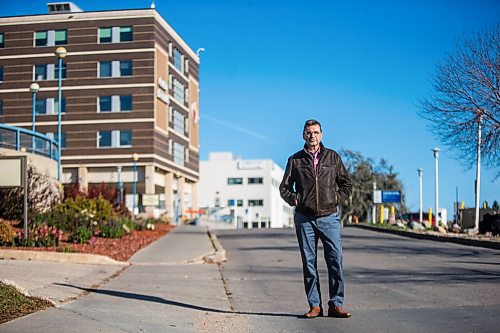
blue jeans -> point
(309, 230)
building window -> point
(186, 126)
(178, 60)
(104, 138)
(41, 38)
(115, 34)
(105, 35)
(126, 68)
(255, 180)
(61, 37)
(63, 71)
(1, 73)
(231, 202)
(126, 103)
(50, 106)
(126, 34)
(170, 115)
(178, 153)
(2, 40)
(104, 104)
(178, 90)
(1, 107)
(125, 138)
(40, 72)
(48, 72)
(41, 106)
(234, 181)
(56, 105)
(178, 122)
(115, 103)
(252, 203)
(51, 37)
(115, 68)
(114, 139)
(105, 69)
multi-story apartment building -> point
(245, 191)
(129, 88)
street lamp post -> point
(61, 54)
(436, 158)
(478, 174)
(119, 183)
(374, 208)
(420, 174)
(135, 157)
(34, 88)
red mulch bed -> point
(119, 248)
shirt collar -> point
(317, 153)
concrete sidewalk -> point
(167, 286)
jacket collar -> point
(321, 149)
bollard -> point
(392, 216)
(431, 222)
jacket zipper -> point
(317, 195)
(316, 171)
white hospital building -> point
(243, 193)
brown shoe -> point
(338, 312)
(316, 311)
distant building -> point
(130, 86)
(248, 189)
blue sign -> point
(391, 196)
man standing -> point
(315, 182)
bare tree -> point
(467, 94)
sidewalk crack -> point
(226, 288)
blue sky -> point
(359, 67)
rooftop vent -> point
(63, 7)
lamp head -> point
(61, 52)
(135, 157)
(34, 87)
(201, 49)
(436, 152)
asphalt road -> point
(393, 284)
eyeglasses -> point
(315, 133)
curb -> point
(74, 258)
(439, 238)
(220, 253)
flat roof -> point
(99, 15)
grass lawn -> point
(14, 304)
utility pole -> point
(420, 174)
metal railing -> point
(21, 139)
